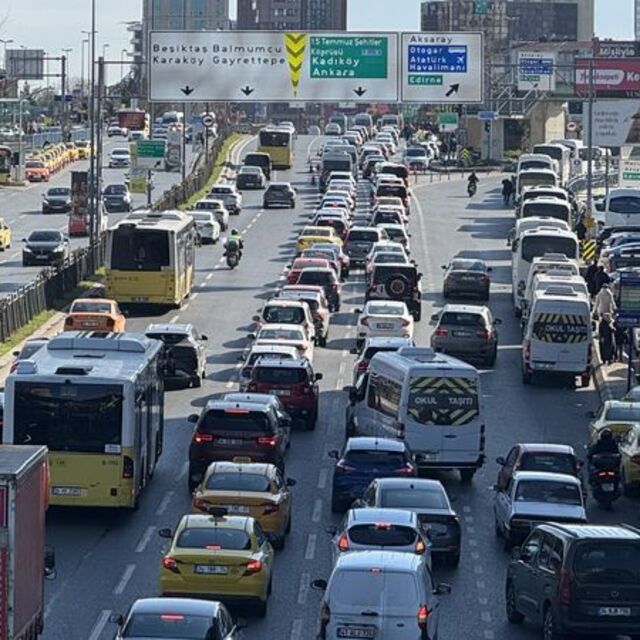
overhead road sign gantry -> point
(271, 66)
(442, 68)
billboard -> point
(615, 123)
(271, 66)
(536, 71)
(25, 64)
(612, 77)
(132, 119)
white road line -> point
(310, 551)
(146, 538)
(229, 384)
(322, 478)
(186, 306)
(317, 510)
(195, 295)
(174, 319)
(209, 276)
(162, 507)
(184, 471)
(99, 626)
(341, 368)
(303, 590)
(296, 629)
(339, 383)
(126, 576)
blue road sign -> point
(67, 98)
(536, 66)
(629, 300)
(429, 58)
(487, 116)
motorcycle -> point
(604, 478)
(472, 187)
(233, 259)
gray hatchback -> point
(467, 332)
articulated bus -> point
(278, 143)
(96, 401)
(151, 258)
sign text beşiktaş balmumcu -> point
(231, 56)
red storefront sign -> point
(612, 77)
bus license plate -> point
(206, 569)
(66, 491)
(614, 611)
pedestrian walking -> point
(621, 340)
(581, 229)
(600, 279)
(589, 276)
(605, 304)
(606, 339)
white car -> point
(119, 157)
(397, 233)
(134, 136)
(289, 335)
(207, 227)
(333, 129)
(337, 191)
(115, 130)
(231, 197)
(387, 318)
(217, 208)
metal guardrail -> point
(39, 140)
(599, 180)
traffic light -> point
(487, 127)
(481, 6)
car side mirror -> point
(23, 240)
(443, 266)
(435, 317)
(15, 354)
(251, 336)
(116, 618)
(256, 318)
(290, 482)
(334, 453)
(331, 530)
(193, 418)
(165, 533)
(489, 269)
(318, 377)
(501, 461)
(442, 589)
(319, 585)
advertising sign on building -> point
(610, 77)
(615, 123)
(536, 71)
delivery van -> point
(430, 400)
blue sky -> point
(59, 25)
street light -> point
(85, 41)
(123, 53)
(104, 56)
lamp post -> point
(105, 46)
(84, 41)
(123, 53)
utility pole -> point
(93, 196)
(63, 87)
(590, 146)
(99, 159)
(183, 146)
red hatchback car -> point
(293, 382)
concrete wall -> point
(547, 121)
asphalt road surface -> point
(106, 560)
(21, 207)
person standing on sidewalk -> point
(606, 338)
(605, 303)
(600, 279)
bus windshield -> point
(535, 178)
(275, 138)
(82, 418)
(443, 401)
(139, 249)
(537, 246)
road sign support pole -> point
(206, 137)
(93, 197)
(592, 227)
(183, 146)
(630, 358)
(149, 188)
(99, 155)
(63, 82)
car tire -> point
(311, 421)
(193, 480)
(196, 381)
(261, 608)
(338, 505)
(585, 380)
(397, 287)
(549, 626)
(288, 529)
(466, 475)
(322, 341)
(527, 377)
(513, 615)
(496, 527)
(491, 360)
(278, 542)
(518, 312)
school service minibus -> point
(95, 400)
(151, 258)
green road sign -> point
(481, 6)
(348, 57)
(631, 175)
(150, 148)
(448, 117)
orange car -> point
(95, 314)
(36, 171)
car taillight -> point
(271, 508)
(343, 466)
(420, 547)
(199, 437)
(526, 350)
(169, 563)
(255, 566)
(269, 441)
(14, 366)
(252, 386)
(407, 470)
(363, 365)
(201, 505)
(565, 587)
(343, 543)
(423, 615)
(127, 467)
(325, 616)
(441, 333)
(606, 474)
(485, 334)
(405, 323)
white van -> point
(558, 337)
(547, 279)
(622, 208)
(535, 178)
(575, 146)
(430, 400)
(535, 243)
(562, 156)
(546, 207)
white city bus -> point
(96, 401)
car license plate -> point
(356, 632)
(208, 569)
(140, 299)
(384, 325)
(467, 278)
(462, 334)
(229, 440)
(66, 491)
(90, 323)
(607, 486)
(237, 508)
(614, 611)
(282, 392)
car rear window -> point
(384, 309)
(280, 375)
(371, 351)
(392, 190)
(234, 420)
(90, 307)
(316, 277)
(394, 459)
(607, 562)
(278, 187)
(387, 535)
(415, 499)
(214, 538)
(280, 334)
(363, 236)
(548, 492)
(168, 338)
(237, 482)
(284, 315)
(552, 462)
(168, 625)
(623, 413)
(462, 319)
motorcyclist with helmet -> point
(605, 444)
(233, 244)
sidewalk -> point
(610, 380)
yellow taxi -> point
(616, 415)
(49, 160)
(629, 445)
(219, 557)
(256, 490)
(312, 235)
(84, 149)
(72, 151)
(5, 235)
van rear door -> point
(401, 603)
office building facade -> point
(186, 15)
(288, 15)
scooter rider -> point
(603, 445)
(233, 243)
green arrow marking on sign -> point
(348, 57)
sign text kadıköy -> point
(266, 66)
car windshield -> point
(45, 236)
(237, 482)
(607, 562)
(284, 315)
(90, 307)
(280, 334)
(414, 499)
(368, 589)
(120, 152)
(233, 420)
(382, 309)
(59, 191)
(629, 413)
(537, 246)
(115, 189)
(624, 204)
(553, 462)
(214, 538)
(462, 319)
(167, 626)
(382, 535)
(363, 235)
(375, 458)
(32, 164)
(550, 492)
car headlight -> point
(26, 250)
(46, 201)
(59, 249)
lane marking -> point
(310, 551)
(296, 629)
(162, 507)
(303, 590)
(174, 319)
(146, 538)
(195, 295)
(317, 511)
(322, 479)
(98, 627)
(126, 576)
(186, 306)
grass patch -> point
(219, 165)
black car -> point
(262, 160)
(327, 279)
(56, 200)
(47, 247)
(463, 277)
(577, 581)
(279, 194)
(250, 178)
(400, 281)
(116, 197)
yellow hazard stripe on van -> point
(451, 385)
(565, 328)
(588, 250)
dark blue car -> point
(364, 460)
